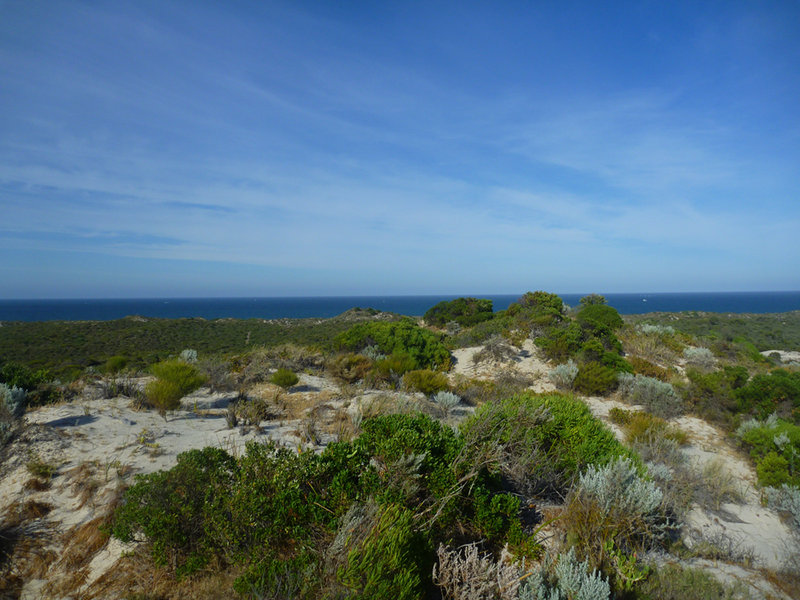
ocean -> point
(324, 307)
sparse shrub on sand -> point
(284, 378)
(786, 499)
(676, 582)
(496, 349)
(655, 395)
(642, 366)
(699, 357)
(641, 426)
(446, 401)
(13, 400)
(565, 577)
(174, 379)
(563, 375)
(614, 506)
(350, 367)
(426, 381)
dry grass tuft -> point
(135, 576)
(34, 484)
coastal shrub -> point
(184, 376)
(778, 390)
(466, 574)
(712, 395)
(543, 440)
(393, 367)
(463, 311)
(699, 357)
(447, 401)
(642, 427)
(561, 343)
(774, 444)
(497, 349)
(613, 506)
(350, 367)
(677, 582)
(389, 561)
(785, 499)
(115, 364)
(177, 509)
(405, 336)
(563, 375)
(163, 395)
(539, 302)
(657, 396)
(284, 378)
(590, 299)
(426, 381)
(373, 353)
(18, 375)
(595, 379)
(564, 578)
(188, 355)
(642, 366)
(13, 399)
(598, 316)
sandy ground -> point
(748, 527)
(527, 361)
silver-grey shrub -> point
(568, 579)
(13, 399)
(447, 401)
(699, 357)
(618, 485)
(657, 396)
(787, 499)
(373, 353)
(649, 329)
(188, 355)
(563, 376)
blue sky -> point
(298, 148)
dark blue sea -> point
(323, 307)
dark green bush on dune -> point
(464, 311)
(423, 346)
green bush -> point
(426, 381)
(284, 378)
(179, 509)
(674, 582)
(712, 395)
(391, 560)
(545, 441)
(642, 366)
(464, 311)
(115, 364)
(778, 390)
(595, 379)
(423, 346)
(186, 377)
(775, 446)
(598, 316)
(393, 367)
(163, 395)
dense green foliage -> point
(284, 378)
(549, 439)
(777, 391)
(775, 446)
(174, 379)
(464, 311)
(425, 381)
(275, 511)
(405, 336)
(600, 316)
(765, 331)
(67, 347)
